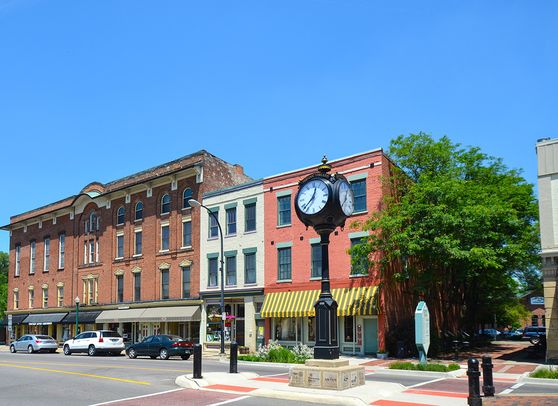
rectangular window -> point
(212, 272)
(32, 257)
(250, 217)
(213, 226)
(230, 268)
(92, 251)
(16, 300)
(120, 246)
(361, 265)
(138, 245)
(137, 287)
(45, 298)
(284, 263)
(231, 221)
(60, 294)
(31, 298)
(250, 268)
(349, 329)
(311, 329)
(85, 252)
(61, 250)
(46, 259)
(165, 233)
(284, 210)
(185, 282)
(316, 261)
(96, 250)
(359, 192)
(17, 259)
(120, 288)
(165, 284)
(187, 234)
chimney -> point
(239, 169)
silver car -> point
(33, 343)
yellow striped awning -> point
(351, 302)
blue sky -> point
(95, 90)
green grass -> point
(551, 373)
(409, 366)
(253, 358)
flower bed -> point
(275, 352)
(409, 366)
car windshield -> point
(45, 338)
(111, 334)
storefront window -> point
(349, 329)
(311, 328)
(286, 329)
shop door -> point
(370, 336)
(240, 332)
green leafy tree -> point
(457, 229)
(4, 265)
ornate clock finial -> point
(324, 167)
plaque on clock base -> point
(334, 374)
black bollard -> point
(234, 358)
(197, 361)
(487, 381)
(473, 373)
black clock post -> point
(323, 202)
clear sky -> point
(97, 90)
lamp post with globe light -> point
(77, 314)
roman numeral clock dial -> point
(313, 196)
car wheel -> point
(67, 350)
(30, 349)
(185, 357)
(164, 353)
(535, 340)
(91, 351)
(132, 353)
(12, 349)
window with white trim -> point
(165, 204)
(230, 214)
(17, 259)
(46, 254)
(186, 195)
(120, 245)
(138, 242)
(16, 300)
(32, 256)
(60, 296)
(120, 216)
(31, 298)
(186, 233)
(138, 211)
(45, 297)
(61, 250)
(137, 287)
(165, 236)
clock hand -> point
(311, 200)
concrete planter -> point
(382, 355)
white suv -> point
(94, 342)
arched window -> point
(165, 204)
(120, 216)
(93, 224)
(139, 211)
(186, 195)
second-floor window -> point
(231, 220)
(185, 282)
(120, 216)
(359, 192)
(359, 266)
(45, 298)
(32, 257)
(165, 236)
(316, 261)
(284, 210)
(120, 246)
(213, 226)
(17, 259)
(137, 287)
(61, 250)
(187, 233)
(60, 294)
(90, 291)
(250, 268)
(91, 251)
(31, 298)
(284, 263)
(120, 288)
(138, 237)
(16, 300)
(212, 272)
(230, 269)
(46, 256)
(165, 284)
(250, 217)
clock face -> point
(346, 198)
(313, 196)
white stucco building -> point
(240, 211)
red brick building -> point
(128, 249)
(293, 261)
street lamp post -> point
(195, 203)
(77, 314)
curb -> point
(540, 381)
(268, 364)
(451, 374)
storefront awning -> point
(351, 302)
(152, 314)
(43, 319)
(83, 317)
(18, 318)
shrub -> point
(551, 373)
(409, 366)
(302, 352)
(253, 358)
(275, 352)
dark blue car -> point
(163, 346)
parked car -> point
(513, 334)
(94, 342)
(163, 346)
(492, 333)
(533, 334)
(34, 343)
